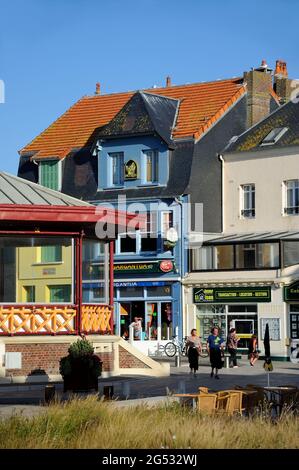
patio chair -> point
(228, 403)
(250, 399)
(206, 402)
(203, 389)
(238, 403)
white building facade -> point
(248, 275)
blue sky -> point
(52, 52)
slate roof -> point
(285, 116)
(143, 114)
(15, 190)
(201, 104)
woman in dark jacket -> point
(193, 348)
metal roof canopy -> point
(15, 190)
(253, 237)
(22, 201)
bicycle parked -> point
(180, 346)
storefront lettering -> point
(221, 294)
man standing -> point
(232, 344)
(137, 326)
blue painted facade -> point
(140, 291)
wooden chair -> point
(206, 402)
(203, 389)
(228, 402)
(238, 402)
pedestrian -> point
(137, 327)
(232, 345)
(253, 352)
(215, 350)
(194, 348)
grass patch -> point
(89, 423)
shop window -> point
(294, 321)
(131, 292)
(159, 291)
(166, 320)
(290, 253)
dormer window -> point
(151, 166)
(274, 136)
(117, 168)
(50, 174)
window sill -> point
(146, 185)
(112, 188)
(52, 263)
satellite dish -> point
(172, 235)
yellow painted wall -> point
(31, 272)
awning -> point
(252, 237)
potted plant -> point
(81, 368)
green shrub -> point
(81, 347)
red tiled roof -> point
(201, 104)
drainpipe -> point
(182, 257)
(222, 190)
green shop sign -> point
(212, 295)
(291, 292)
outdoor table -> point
(188, 395)
(278, 394)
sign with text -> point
(291, 292)
(203, 295)
(139, 268)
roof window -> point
(274, 136)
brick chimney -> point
(168, 81)
(259, 84)
(282, 84)
(98, 89)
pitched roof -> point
(144, 113)
(287, 116)
(201, 104)
(15, 190)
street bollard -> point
(177, 359)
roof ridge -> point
(146, 90)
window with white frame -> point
(248, 200)
(117, 168)
(151, 166)
(49, 174)
(167, 222)
(148, 241)
(291, 197)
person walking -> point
(215, 349)
(194, 348)
(253, 352)
(232, 345)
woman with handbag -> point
(193, 348)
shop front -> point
(229, 307)
(291, 297)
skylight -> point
(274, 136)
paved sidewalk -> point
(28, 398)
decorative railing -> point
(37, 319)
(96, 318)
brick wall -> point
(44, 358)
(127, 361)
(38, 356)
